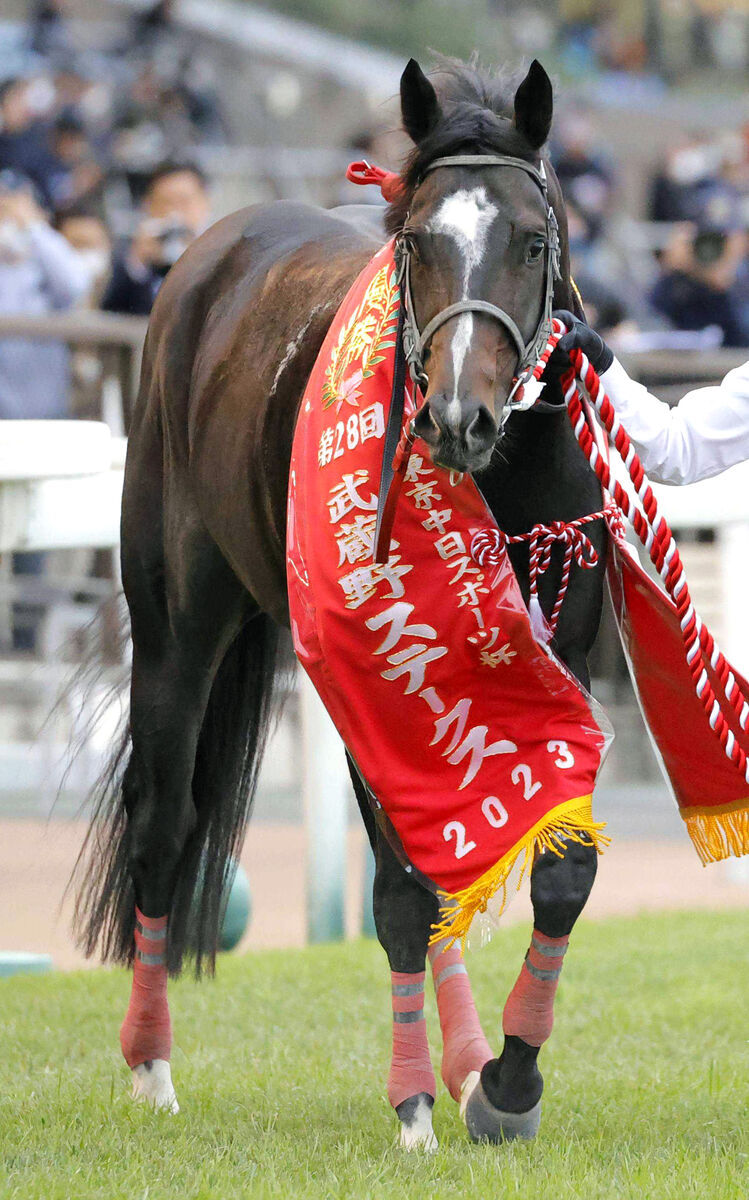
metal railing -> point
(116, 339)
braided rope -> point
(652, 529)
(488, 547)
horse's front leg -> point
(506, 1103)
(404, 914)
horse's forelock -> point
(477, 109)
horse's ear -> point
(534, 105)
(419, 104)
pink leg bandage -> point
(464, 1047)
(146, 1032)
(529, 1011)
(410, 1067)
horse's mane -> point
(477, 109)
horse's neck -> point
(536, 475)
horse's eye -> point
(536, 249)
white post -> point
(326, 793)
(368, 927)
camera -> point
(173, 237)
(709, 246)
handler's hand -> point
(579, 337)
(20, 208)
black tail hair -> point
(239, 716)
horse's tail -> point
(239, 715)
(241, 712)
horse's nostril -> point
(482, 430)
(425, 424)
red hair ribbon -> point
(389, 182)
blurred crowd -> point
(99, 195)
(101, 191)
(663, 40)
(99, 188)
(680, 275)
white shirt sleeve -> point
(707, 432)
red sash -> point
(477, 744)
(698, 760)
(712, 796)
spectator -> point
(76, 177)
(151, 26)
(700, 281)
(48, 29)
(87, 234)
(87, 97)
(39, 273)
(169, 107)
(176, 208)
(583, 173)
(678, 191)
(190, 108)
(24, 142)
(702, 181)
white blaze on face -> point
(466, 217)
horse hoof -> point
(485, 1123)
(415, 1115)
(152, 1084)
(466, 1091)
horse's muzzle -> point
(460, 437)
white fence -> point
(60, 487)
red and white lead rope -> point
(488, 546)
(655, 535)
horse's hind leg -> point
(506, 1103)
(196, 707)
(175, 661)
(404, 912)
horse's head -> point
(476, 238)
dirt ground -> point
(36, 858)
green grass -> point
(280, 1068)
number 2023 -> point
(492, 807)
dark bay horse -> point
(233, 337)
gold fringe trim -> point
(576, 290)
(572, 820)
(719, 832)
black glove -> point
(579, 337)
